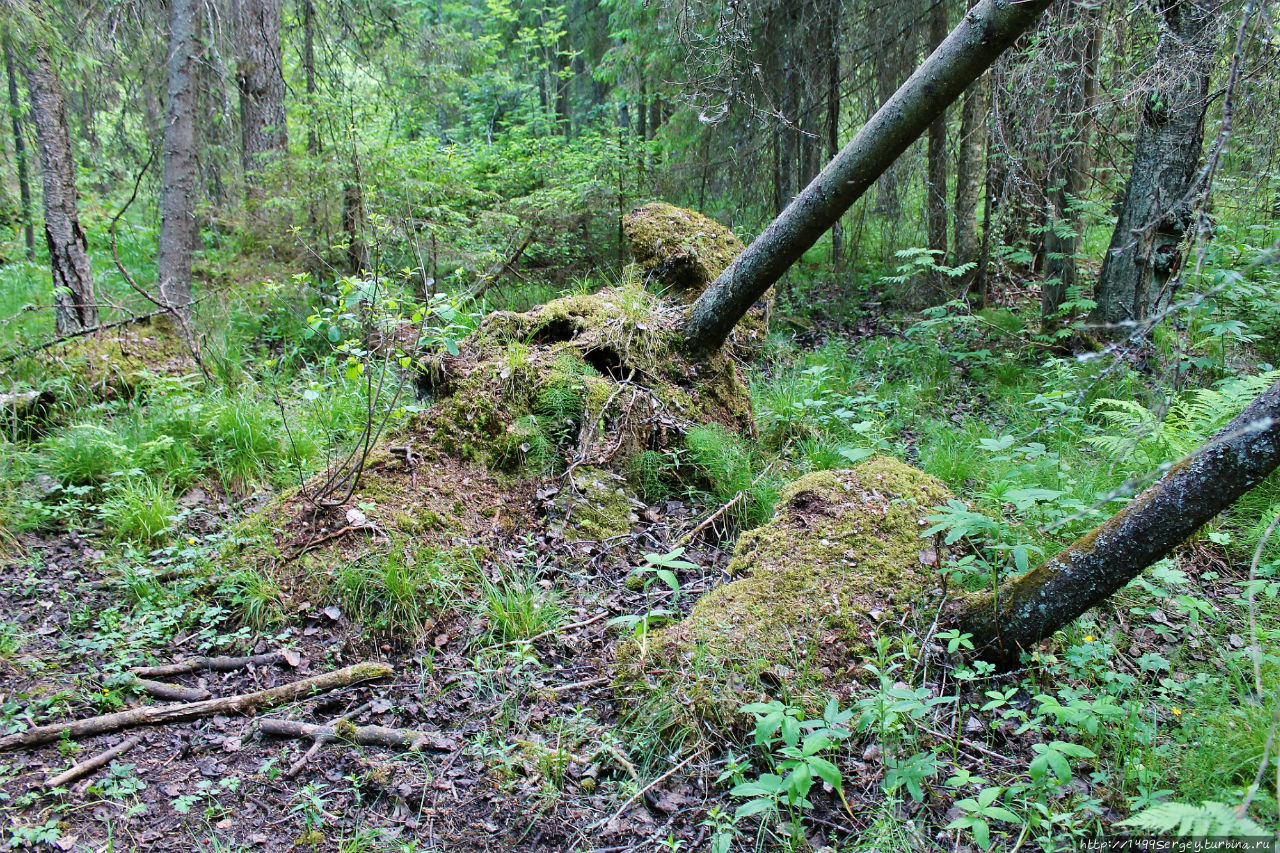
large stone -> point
(841, 561)
(679, 251)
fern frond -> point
(1207, 819)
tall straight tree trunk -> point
(1069, 161)
(1159, 199)
(75, 307)
(987, 29)
(178, 230)
(969, 174)
(1032, 606)
(833, 131)
(260, 77)
(936, 174)
(20, 153)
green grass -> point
(515, 608)
(139, 509)
(400, 594)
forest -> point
(610, 426)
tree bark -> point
(20, 153)
(260, 77)
(1032, 606)
(178, 230)
(969, 174)
(1069, 159)
(984, 33)
(75, 306)
(936, 173)
(1159, 199)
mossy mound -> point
(680, 250)
(114, 363)
(841, 561)
(588, 379)
(532, 425)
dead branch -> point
(162, 714)
(171, 692)
(203, 664)
(494, 272)
(413, 741)
(87, 766)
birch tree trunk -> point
(985, 32)
(178, 231)
(1159, 199)
(1032, 606)
(75, 306)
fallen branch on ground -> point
(413, 741)
(201, 664)
(172, 692)
(160, 714)
(87, 766)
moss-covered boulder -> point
(841, 561)
(679, 250)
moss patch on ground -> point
(112, 364)
(840, 562)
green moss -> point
(679, 250)
(116, 364)
(840, 559)
(595, 504)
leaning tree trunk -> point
(178, 231)
(75, 306)
(1032, 606)
(20, 152)
(987, 29)
(1160, 199)
(260, 77)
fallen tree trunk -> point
(973, 46)
(159, 714)
(408, 739)
(1030, 607)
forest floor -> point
(529, 754)
(532, 745)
